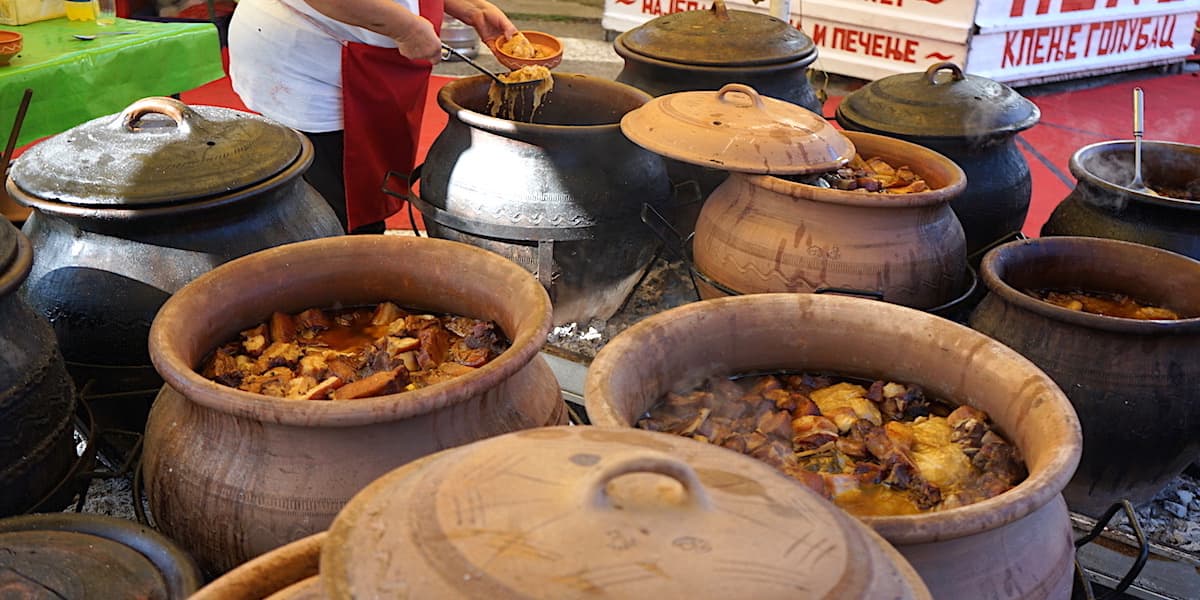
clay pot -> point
(131, 207)
(280, 573)
(607, 511)
(1015, 545)
(551, 195)
(271, 470)
(37, 445)
(1101, 205)
(1132, 382)
(762, 233)
(969, 119)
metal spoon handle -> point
(447, 51)
(1138, 130)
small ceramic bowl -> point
(10, 45)
(552, 44)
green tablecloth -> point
(74, 81)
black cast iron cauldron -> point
(1101, 205)
(1132, 382)
(37, 445)
(130, 207)
(973, 121)
(561, 196)
(703, 50)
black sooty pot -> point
(130, 207)
(971, 120)
(37, 401)
(562, 196)
(1102, 206)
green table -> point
(74, 81)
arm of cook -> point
(483, 16)
(414, 35)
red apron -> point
(383, 98)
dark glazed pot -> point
(1101, 205)
(561, 196)
(37, 446)
(1133, 383)
(128, 208)
(969, 119)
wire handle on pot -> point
(868, 294)
(595, 486)
(662, 227)
(409, 181)
(1143, 545)
(1012, 236)
(956, 73)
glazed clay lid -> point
(736, 129)
(157, 151)
(719, 37)
(573, 512)
(941, 102)
(74, 555)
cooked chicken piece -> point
(846, 395)
(385, 313)
(271, 383)
(254, 341)
(298, 387)
(313, 319)
(809, 432)
(969, 426)
(939, 460)
(322, 390)
(223, 368)
(282, 327)
(313, 365)
(518, 46)
(279, 354)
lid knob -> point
(131, 117)
(931, 73)
(595, 487)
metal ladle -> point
(1138, 127)
(447, 51)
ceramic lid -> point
(736, 129)
(571, 512)
(940, 102)
(72, 555)
(157, 151)
(719, 37)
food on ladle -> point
(519, 46)
(886, 449)
(353, 353)
(522, 101)
(1107, 304)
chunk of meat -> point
(776, 424)
(435, 343)
(846, 395)
(313, 319)
(279, 354)
(379, 384)
(810, 433)
(282, 327)
(322, 390)
(254, 340)
(385, 313)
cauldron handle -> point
(1012, 236)
(409, 181)
(661, 227)
(1143, 547)
(868, 294)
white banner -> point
(1006, 15)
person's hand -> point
(488, 20)
(420, 42)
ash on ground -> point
(1172, 518)
(667, 284)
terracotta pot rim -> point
(1040, 487)
(921, 154)
(510, 128)
(168, 360)
(1084, 176)
(248, 577)
(741, 71)
(991, 270)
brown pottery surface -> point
(577, 512)
(269, 574)
(1015, 545)
(1133, 383)
(760, 233)
(271, 470)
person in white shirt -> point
(352, 75)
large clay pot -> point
(130, 207)
(596, 512)
(1102, 206)
(762, 233)
(1132, 382)
(969, 119)
(561, 196)
(1015, 545)
(269, 470)
(37, 445)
